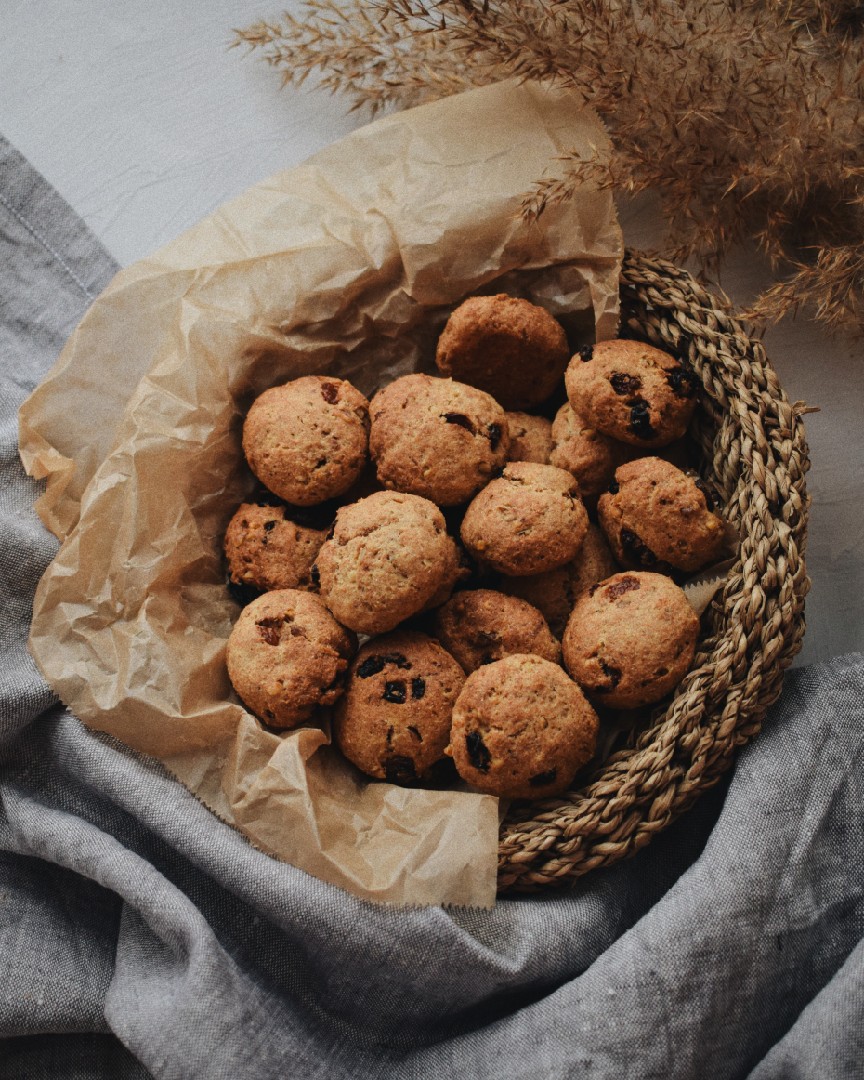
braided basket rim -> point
(753, 445)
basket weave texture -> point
(754, 450)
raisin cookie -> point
(555, 592)
(388, 557)
(266, 550)
(580, 448)
(521, 729)
(509, 347)
(632, 392)
(436, 438)
(287, 655)
(394, 719)
(529, 520)
(530, 438)
(631, 639)
(657, 518)
(479, 626)
(307, 440)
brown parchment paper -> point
(347, 264)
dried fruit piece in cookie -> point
(513, 349)
(529, 520)
(266, 550)
(479, 626)
(436, 438)
(633, 392)
(521, 728)
(287, 655)
(530, 438)
(556, 591)
(388, 558)
(307, 440)
(658, 518)
(631, 639)
(394, 719)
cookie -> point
(436, 438)
(388, 557)
(580, 448)
(657, 518)
(529, 520)
(530, 438)
(266, 550)
(393, 722)
(521, 729)
(555, 592)
(632, 392)
(479, 626)
(511, 348)
(631, 639)
(307, 440)
(287, 655)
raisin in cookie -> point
(631, 639)
(266, 550)
(529, 520)
(555, 592)
(511, 348)
(388, 557)
(394, 720)
(479, 626)
(436, 438)
(307, 441)
(287, 655)
(657, 518)
(632, 392)
(521, 729)
(530, 438)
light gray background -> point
(145, 121)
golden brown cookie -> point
(555, 592)
(529, 520)
(521, 729)
(631, 639)
(436, 438)
(513, 349)
(266, 550)
(307, 440)
(394, 720)
(530, 438)
(388, 557)
(479, 626)
(632, 392)
(287, 655)
(657, 518)
(580, 448)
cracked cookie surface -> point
(307, 440)
(513, 349)
(436, 438)
(631, 639)
(287, 655)
(393, 722)
(521, 728)
(632, 392)
(266, 550)
(388, 557)
(529, 520)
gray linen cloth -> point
(140, 936)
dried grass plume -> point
(744, 115)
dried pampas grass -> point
(744, 115)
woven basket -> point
(754, 450)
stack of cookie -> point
(479, 535)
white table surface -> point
(144, 120)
